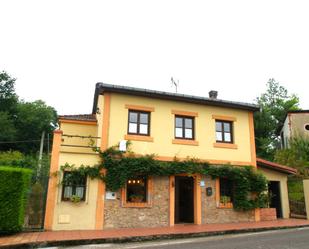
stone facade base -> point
(268, 214)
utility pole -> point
(40, 155)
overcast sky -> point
(58, 50)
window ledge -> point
(185, 142)
(225, 145)
(136, 205)
(228, 205)
(138, 138)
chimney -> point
(213, 94)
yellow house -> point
(168, 125)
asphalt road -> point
(279, 239)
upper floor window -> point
(184, 127)
(73, 186)
(224, 131)
(138, 122)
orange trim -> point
(185, 113)
(217, 192)
(226, 118)
(147, 204)
(227, 205)
(252, 139)
(82, 122)
(138, 138)
(197, 200)
(225, 145)
(99, 216)
(172, 201)
(52, 184)
(105, 123)
(140, 108)
(238, 163)
(185, 142)
(211, 161)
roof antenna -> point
(174, 83)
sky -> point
(58, 50)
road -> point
(279, 239)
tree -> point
(296, 156)
(7, 130)
(32, 118)
(274, 104)
(8, 103)
(22, 123)
(8, 97)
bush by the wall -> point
(14, 185)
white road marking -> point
(155, 244)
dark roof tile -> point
(81, 117)
(102, 87)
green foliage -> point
(75, 199)
(248, 184)
(32, 118)
(296, 156)
(20, 160)
(296, 189)
(274, 103)
(14, 183)
(8, 97)
(22, 123)
(8, 130)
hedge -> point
(14, 185)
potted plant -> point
(75, 199)
(136, 198)
(225, 199)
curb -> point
(80, 242)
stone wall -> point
(116, 216)
(212, 214)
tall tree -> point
(8, 97)
(32, 118)
(22, 123)
(8, 104)
(274, 104)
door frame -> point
(197, 196)
(279, 209)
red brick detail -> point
(268, 214)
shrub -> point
(14, 184)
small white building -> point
(296, 123)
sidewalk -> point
(56, 238)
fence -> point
(298, 209)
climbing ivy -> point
(117, 167)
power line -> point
(15, 142)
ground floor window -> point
(73, 187)
(225, 192)
(137, 192)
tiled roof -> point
(275, 166)
(80, 117)
(102, 87)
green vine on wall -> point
(249, 185)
